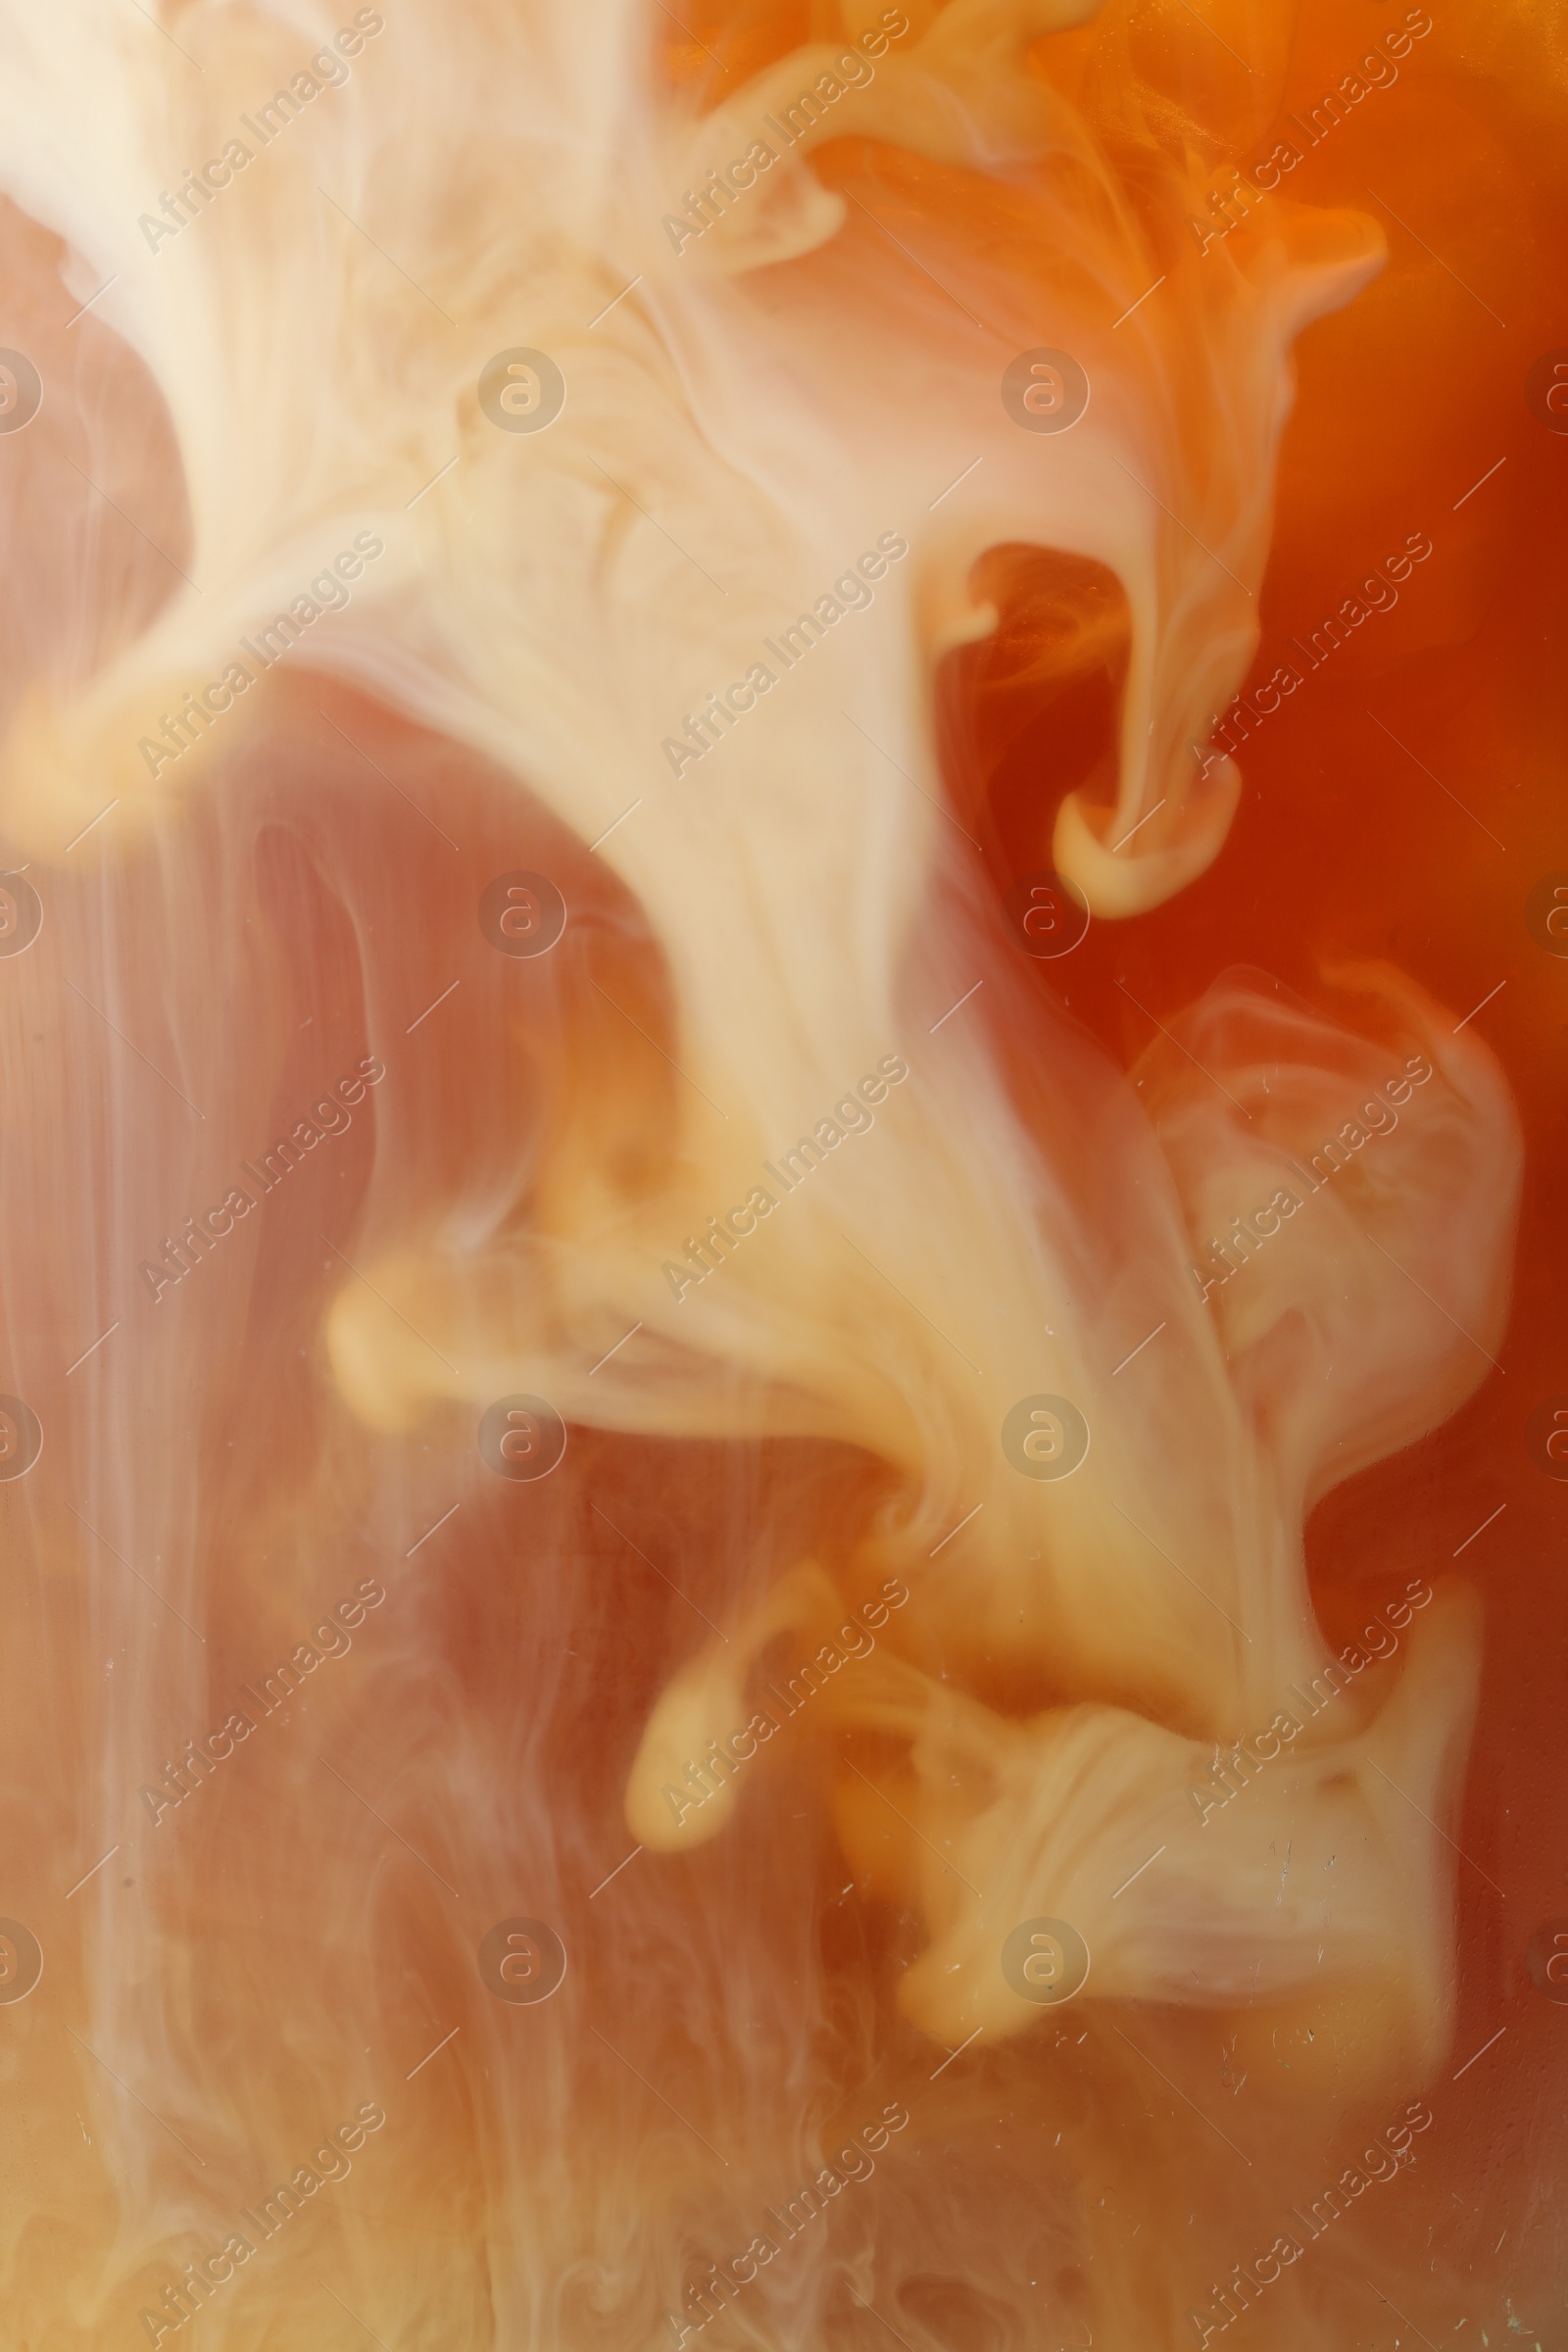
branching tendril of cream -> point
(693, 1498)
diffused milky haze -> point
(562, 453)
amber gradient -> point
(1343, 843)
(1061, 2188)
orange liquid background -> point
(1342, 844)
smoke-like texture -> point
(743, 1113)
